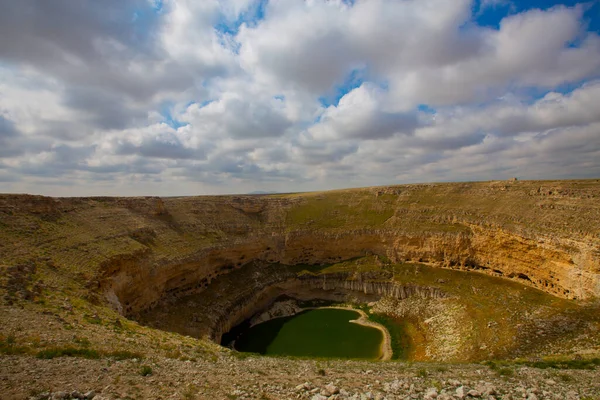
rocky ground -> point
(228, 377)
(72, 270)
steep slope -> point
(74, 272)
(135, 251)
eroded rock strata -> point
(140, 251)
(252, 289)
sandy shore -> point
(386, 345)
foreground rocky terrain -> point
(129, 297)
(267, 378)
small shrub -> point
(67, 352)
(145, 370)
(422, 373)
(505, 372)
(8, 346)
(242, 355)
(491, 364)
(321, 372)
(565, 364)
(566, 378)
(13, 350)
(92, 319)
(120, 327)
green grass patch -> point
(85, 352)
(145, 370)
(243, 355)
(345, 209)
(499, 366)
(505, 371)
(8, 346)
(402, 344)
(357, 264)
(92, 319)
(563, 364)
(54, 352)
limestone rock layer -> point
(135, 252)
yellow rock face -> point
(138, 250)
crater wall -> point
(251, 289)
(139, 251)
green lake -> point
(323, 332)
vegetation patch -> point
(342, 209)
(85, 352)
(502, 367)
(9, 346)
(402, 344)
(54, 352)
(563, 364)
(145, 370)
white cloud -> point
(300, 45)
(188, 36)
(202, 97)
(362, 114)
(530, 50)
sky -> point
(186, 97)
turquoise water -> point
(324, 332)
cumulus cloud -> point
(236, 117)
(8, 135)
(181, 96)
(362, 114)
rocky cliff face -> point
(380, 288)
(137, 251)
(538, 263)
(252, 289)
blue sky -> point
(184, 97)
(485, 13)
(492, 15)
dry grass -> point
(71, 240)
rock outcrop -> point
(252, 290)
(139, 251)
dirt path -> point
(386, 344)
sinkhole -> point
(326, 332)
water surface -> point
(324, 332)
